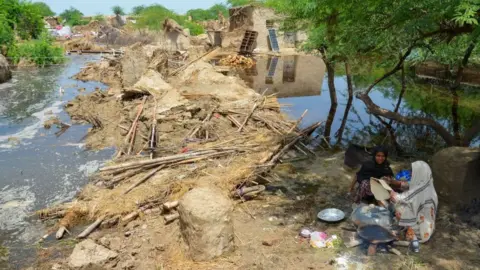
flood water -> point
(39, 169)
(301, 83)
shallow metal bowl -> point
(331, 215)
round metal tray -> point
(331, 215)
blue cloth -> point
(404, 174)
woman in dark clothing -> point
(378, 168)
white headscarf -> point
(420, 202)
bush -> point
(152, 18)
(42, 52)
(73, 17)
(43, 9)
(99, 17)
(7, 37)
(195, 28)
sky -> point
(93, 7)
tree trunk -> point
(349, 103)
(402, 93)
(333, 99)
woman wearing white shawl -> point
(417, 208)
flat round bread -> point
(379, 191)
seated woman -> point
(378, 167)
(416, 208)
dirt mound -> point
(82, 44)
(127, 70)
(93, 26)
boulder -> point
(206, 223)
(5, 73)
(89, 254)
(456, 172)
(152, 82)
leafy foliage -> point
(237, 3)
(44, 9)
(99, 17)
(24, 20)
(118, 10)
(152, 18)
(138, 9)
(208, 14)
(73, 17)
(22, 16)
(41, 51)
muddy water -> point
(39, 169)
(301, 83)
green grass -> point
(42, 52)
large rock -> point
(152, 82)
(89, 254)
(5, 73)
(456, 172)
(206, 223)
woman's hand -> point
(393, 196)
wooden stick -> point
(134, 124)
(156, 160)
(300, 149)
(171, 217)
(191, 62)
(91, 228)
(298, 122)
(170, 205)
(262, 97)
(153, 137)
(61, 231)
(248, 117)
(209, 115)
(145, 178)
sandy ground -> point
(267, 228)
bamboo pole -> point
(144, 178)
(298, 122)
(155, 160)
(91, 228)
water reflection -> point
(301, 76)
(288, 76)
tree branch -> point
(394, 70)
(470, 134)
(375, 109)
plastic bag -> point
(372, 215)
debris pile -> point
(93, 26)
(127, 70)
(173, 134)
(237, 61)
(82, 44)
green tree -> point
(73, 16)
(208, 14)
(152, 18)
(118, 10)
(237, 3)
(138, 9)
(396, 32)
(44, 9)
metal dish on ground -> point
(331, 215)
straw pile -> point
(168, 142)
(237, 61)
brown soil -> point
(82, 44)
